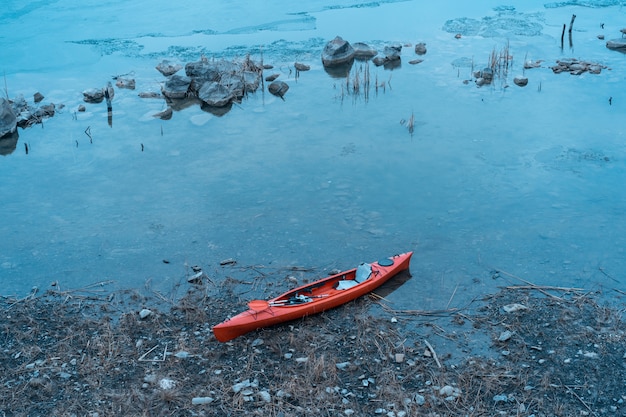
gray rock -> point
(301, 67)
(93, 95)
(214, 94)
(166, 68)
(205, 70)
(520, 81)
(176, 87)
(8, 119)
(337, 52)
(420, 48)
(364, 51)
(37, 97)
(392, 52)
(202, 400)
(278, 88)
(616, 44)
(234, 83)
(144, 313)
(127, 83)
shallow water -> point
(525, 180)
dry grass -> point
(78, 353)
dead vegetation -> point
(552, 351)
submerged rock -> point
(278, 88)
(337, 52)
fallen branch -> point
(142, 358)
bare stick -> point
(571, 24)
(432, 351)
(562, 35)
(452, 296)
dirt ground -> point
(524, 351)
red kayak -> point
(313, 298)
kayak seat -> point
(363, 272)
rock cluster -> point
(340, 53)
(576, 67)
(18, 113)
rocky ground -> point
(524, 351)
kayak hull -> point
(312, 298)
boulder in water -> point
(8, 120)
(337, 52)
(176, 87)
(214, 94)
(278, 88)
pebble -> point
(245, 384)
(342, 365)
(302, 360)
(144, 313)
(420, 399)
(500, 398)
(167, 383)
(512, 308)
(504, 336)
(265, 396)
(202, 400)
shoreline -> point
(544, 351)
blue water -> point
(525, 180)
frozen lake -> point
(527, 180)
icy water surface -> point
(525, 180)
